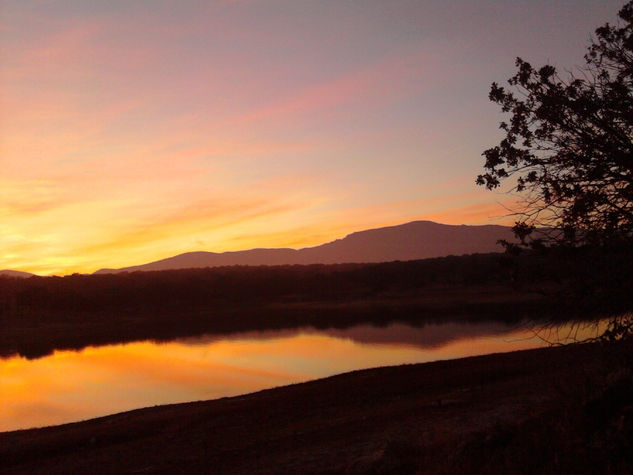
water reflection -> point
(73, 385)
(423, 335)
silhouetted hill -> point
(410, 241)
(15, 273)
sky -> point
(132, 131)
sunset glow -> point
(134, 131)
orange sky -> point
(133, 131)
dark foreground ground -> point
(558, 410)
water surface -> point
(74, 385)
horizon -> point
(159, 259)
(135, 131)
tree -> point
(568, 146)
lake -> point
(71, 385)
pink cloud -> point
(382, 81)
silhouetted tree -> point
(568, 148)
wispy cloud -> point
(380, 82)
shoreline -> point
(352, 422)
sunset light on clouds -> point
(134, 131)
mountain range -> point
(15, 273)
(410, 241)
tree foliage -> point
(568, 145)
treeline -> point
(595, 277)
(40, 314)
(243, 284)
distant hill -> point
(16, 273)
(410, 241)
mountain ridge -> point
(16, 273)
(408, 241)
